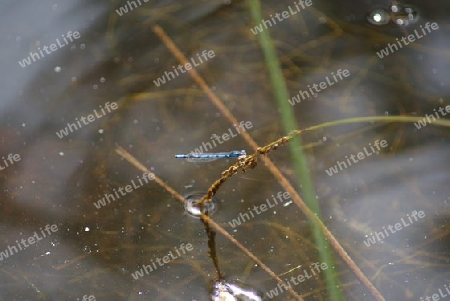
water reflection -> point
(223, 290)
(195, 210)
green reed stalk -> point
(299, 160)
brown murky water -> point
(78, 220)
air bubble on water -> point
(195, 210)
(100, 131)
(22, 124)
(82, 46)
(135, 121)
(378, 16)
(86, 229)
(61, 154)
(102, 79)
(95, 87)
(386, 113)
(74, 79)
(404, 15)
(57, 69)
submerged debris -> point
(224, 290)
